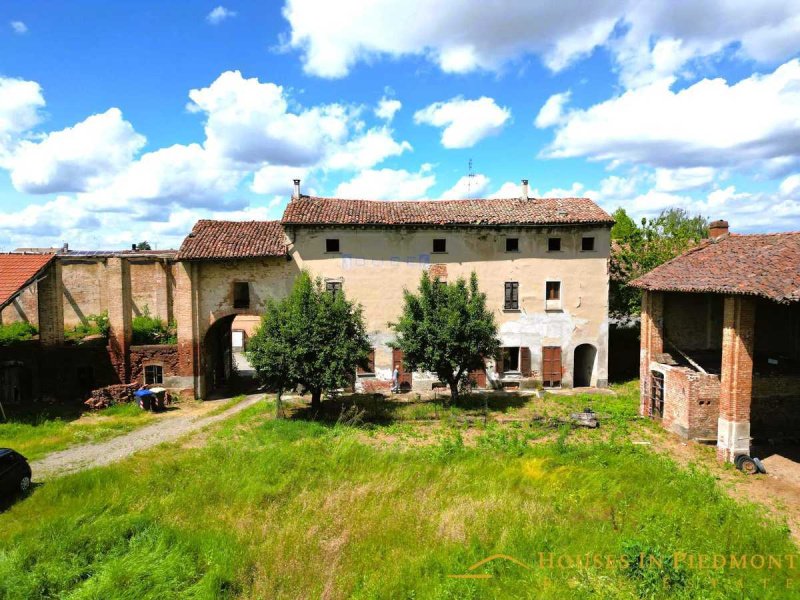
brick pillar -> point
(118, 276)
(50, 292)
(186, 309)
(652, 343)
(736, 382)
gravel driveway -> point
(87, 456)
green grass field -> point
(39, 433)
(346, 508)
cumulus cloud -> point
(251, 122)
(673, 180)
(552, 113)
(277, 179)
(20, 105)
(646, 39)
(19, 27)
(77, 158)
(387, 108)
(464, 122)
(791, 186)
(367, 150)
(467, 187)
(388, 184)
(219, 14)
(708, 124)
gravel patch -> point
(86, 456)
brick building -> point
(543, 264)
(720, 340)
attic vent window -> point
(332, 245)
(554, 244)
(241, 294)
(439, 245)
(512, 244)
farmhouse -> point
(543, 264)
(720, 340)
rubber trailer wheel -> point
(760, 465)
(748, 465)
(738, 460)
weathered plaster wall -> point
(375, 266)
(85, 289)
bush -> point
(16, 332)
(93, 325)
(153, 330)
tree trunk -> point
(316, 398)
(279, 405)
(453, 383)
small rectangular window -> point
(553, 290)
(333, 287)
(153, 374)
(332, 245)
(587, 244)
(511, 296)
(440, 245)
(241, 294)
(369, 368)
(553, 244)
(511, 359)
(512, 244)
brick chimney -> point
(717, 229)
(524, 195)
(296, 192)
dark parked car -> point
(15, 473)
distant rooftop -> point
(765, 265)
(310, 210)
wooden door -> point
(405, 376)
(551, 366)
(478, 378)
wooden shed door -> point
(405, 376)
(551, 366)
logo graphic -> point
(480, 563)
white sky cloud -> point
(367, 150)
(220, 14)
(467, 187)
(464, 122)
(20, 105)
(552, 113)
(388, 184)
(462, 35)
(710, 123)
(673, 180)
(19, 27)
(77, 158)
(387, 108)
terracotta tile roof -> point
(18, 271)
(766, 265)
(233, 239)
(308, 210)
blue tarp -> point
(141, 393)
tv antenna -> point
(470, 178)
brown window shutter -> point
(498, 361)
(525, 361)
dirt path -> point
(98, 454)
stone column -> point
(118, 276)
(186, 309)
(652, 343)
(736, 384)
(50, 295)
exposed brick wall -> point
(51, 308)
(691, 402)
(652, 342)
(85, 289)
(24, 308)
(164, 355)
(55, 371)
(150, 288)
(693, 321)
(119, 315)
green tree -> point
(312, 338)
(635, 250)
(145, 245)
(446, 328)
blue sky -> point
(128, 121)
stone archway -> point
(583, 365)
(217, 356)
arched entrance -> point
(583, 366)
(218, 356)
